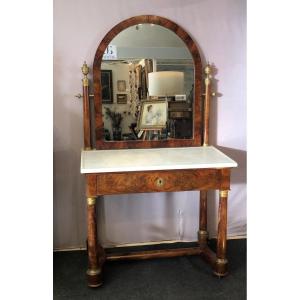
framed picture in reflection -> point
(121, 85)
(107, 87)
(153, 115)
(122, 98)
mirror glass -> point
(147, 78)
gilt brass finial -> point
(85, 70)
(223, 193)
(207, 72)
(207, 69)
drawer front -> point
(158, 181)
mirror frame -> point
(198, 105)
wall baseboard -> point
(236, 237)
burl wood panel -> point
(91, 185)
(160, 181)
(198, 107)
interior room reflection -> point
(150, 65)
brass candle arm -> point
(213, 94)
(79, 96)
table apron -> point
(157, 181)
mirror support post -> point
(86, 108)
(207, 72)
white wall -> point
(219, 28)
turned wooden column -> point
(221, 261)
(94, 274)
(86, 108)
(207, 95)
(202, 233)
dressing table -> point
(161, 165)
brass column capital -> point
(91, 200)
(224, 193)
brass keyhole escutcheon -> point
(159, 182)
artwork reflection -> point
(153, 115)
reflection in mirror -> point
(147, 78)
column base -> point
(221, 266)
(94, 277)
(202, 237)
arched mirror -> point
(147, 86)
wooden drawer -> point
(160, 181)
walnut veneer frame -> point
(197, 118)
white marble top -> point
(125, 160)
